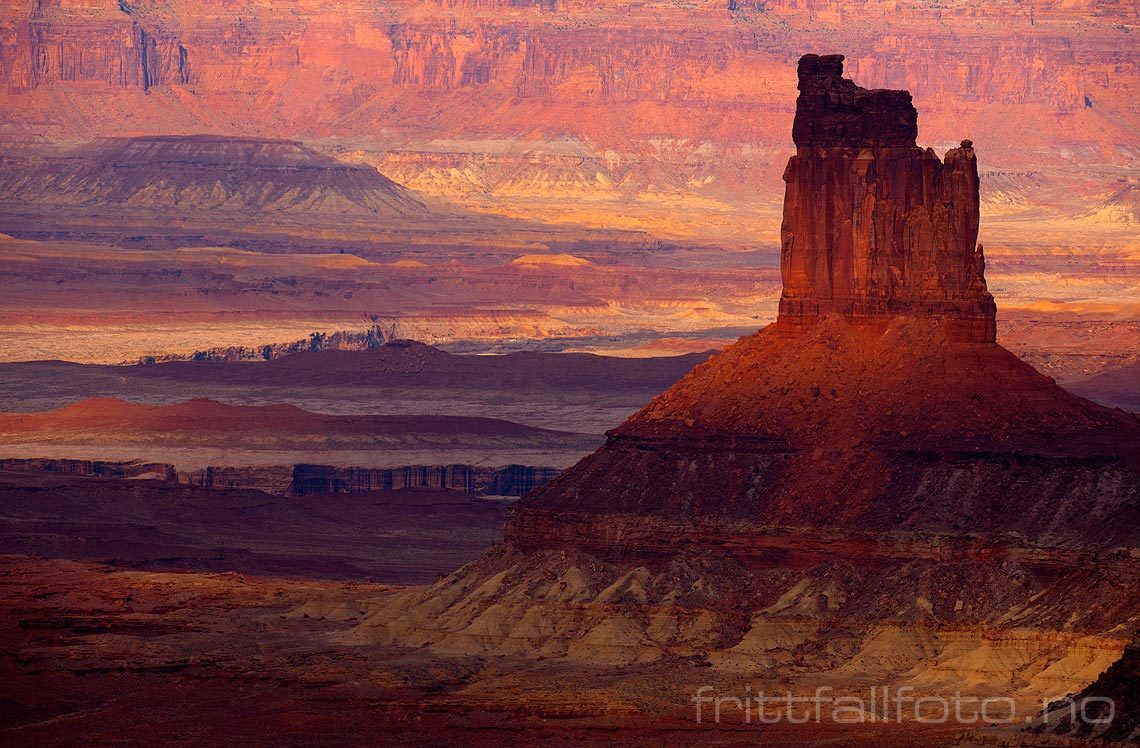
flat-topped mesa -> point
(873, 224)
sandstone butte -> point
(871, 485)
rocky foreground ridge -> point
(876, 496)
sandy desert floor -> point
(122, 655)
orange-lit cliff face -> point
(653, 60)
(665, 107)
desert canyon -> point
(579, 173)
(460, 372)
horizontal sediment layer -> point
(628, 538)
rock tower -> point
(874, 225)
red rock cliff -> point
(874, 225)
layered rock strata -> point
(870, 488)
(1108, 710)
(511, 480)
(92, 468)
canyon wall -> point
(512, 480)
(1107, 710)
(719, 56)
(91, 468)
(653, 106)
(303, 479)
(43, 48)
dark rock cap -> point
(832, 111)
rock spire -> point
(874, 225)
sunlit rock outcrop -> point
(873, 224)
